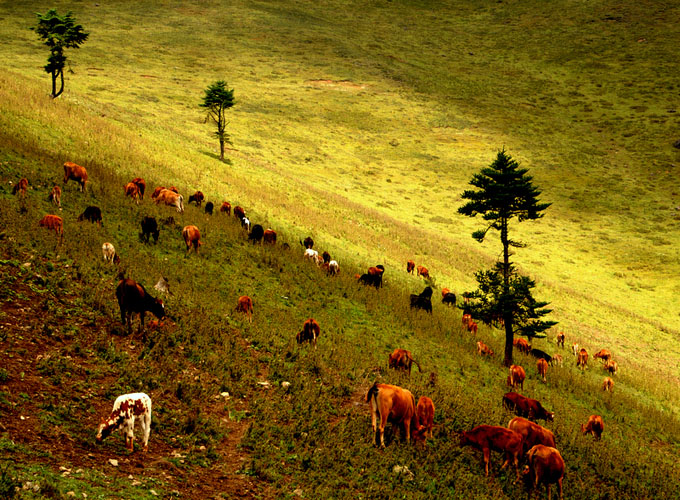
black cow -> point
(449, 298)
(308, 243)
(423, 301)
(149, 228)
(133, 298)
(209, 208)
(93, 214)
(256, 233)
(538, 354)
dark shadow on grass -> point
(215, 156)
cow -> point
(557, 360)
(483, 349)
(133, 298)
(472, 326)
(126, 409)
(141, 185)
(611, 366)
(516, 377)
(256, 234)
(603, 354)
(245, 223)
(574, 349)
(93, 214)
(422, 271)
(491, 437)
(538, 354)
(226, 208)
(326, 257)
(582, 360)
(608, 384)
(410, 266)
(173, 189)
(149, 228)
(197, 198)
(532, 433)
(560, 339)
(21, 187)
(522, 345)
(423, 301)
(310, 332)
(466, 319)
(425, 414)
(239, 213)
(109, 252)
(545, 465)
(595, 426)
(209, 207)
(132, 190)
(245, 305)
(76, 173)
(55, 196)
(53, 222)
(394, 404)
(308, 242)
(542, 366)
(401, 359)
(171, 198)
(269, 236)
(192, 238)
(333, 268)
(312, 255)
(373, 277)
(526, 407)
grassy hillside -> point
(361, 126)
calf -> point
(608, 384)
(125, 409)
(109, 252)
(425, 414)
(93, 214)
(410, 266)
(269, 236)
(560, 339)
(603, 354)
(483, 349)
(595, 426)
(491, 437)
(401, 359)
(76, 173)
(531, 433)
(226, 208)
(209, 207)
(141, 185)
(192, 238)
(310, 332)
(582, 359)
(53, 222)
(394, 404)
(133, 298)
(516, 377)
(245, 305)
(545, 465)
(149, 228)
(21, 187)
(522, 345)
(422, 271)
(423, 301)
(542, 366)
(611, 366)
(197, 198)
(171, 198)
(132, 190)
(526, 407)
(55, 196)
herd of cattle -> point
(389, 403)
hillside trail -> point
(43, 390)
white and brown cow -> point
(125, 410)
(394, 404)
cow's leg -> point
(146, 428)
(487, 454)
(383, 423)
(141, 321)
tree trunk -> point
(507, 312)
(221, 149)
(57, 74)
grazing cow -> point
(608, 384)
(526, 407)
(532, 433)
(516, 377)
(466, 319)
(109, 252)
(269, 236)
(226, 208)
(522, 345)
(611, 366)
(245, 223)
(449, 298)
(377, 273)
(582, 360)
(309, 333)
(209, 207)
(574, 349)
(256, 233)
(560, 339)
(538, 354)
(401, 359)
(149, 228)
(333, 268)
(312, 255)
(21, 187)
(157, 191)
(192, 238)
(239, 213)
(141, 184)
(245, 305)
(595, 426)
(76, 173)
(425, 414)
(423, 301)
(308, 242)
(197, 198)
(93, 214)
(410, 266)
(394, 404)
(483, 349)
(472, 326)
(125, 409)
(557, 360)
(53, 222)
(133, 298)
(132, 190)
(545, 465)
(542, 366)
(171, 198)
(603, 354)
(55, 196)
(491, 437)
(173, 189)
(422, 271)
(326, 257)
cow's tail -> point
(181, 204)
(417, 364)
(372, 393)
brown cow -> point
(608, 384)
(171, 198)
(422, 271)
(542, 366)
(603, 354)
(410, 266)
(483, 349)
(53, 222)
(226, 208)
(516, 377)
(472, 327)
(532, 433)
(239, 213)
(522, 345)
(21, 187)
(401, 359)
(611, 366)
(133, 298)
(595, 426)
(197, 198)
(491, 437)
(546, 465)
(76, 173)
(394, 404)
(192, 237)
(466, 319)
(557, 360)
(526, 407)
(132, 190)
(141, 184)
(55, 196)
(582, 360)
(310, 332)
(560, 339)
(156, 192)
(269, 236)
(245, 305)
(425, 413)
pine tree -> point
(217, 100)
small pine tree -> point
(217, 100)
